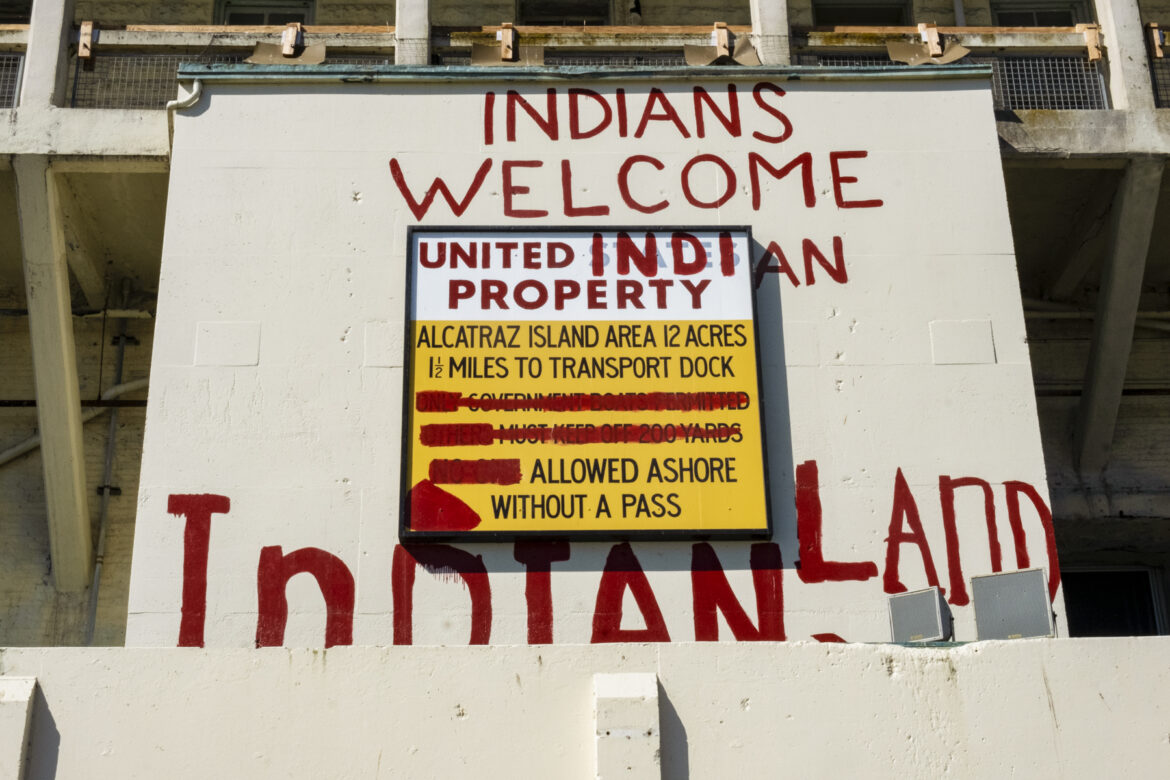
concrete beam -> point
(770, 31)
(412, 32)
(46, 62)
(1076, 250)
(1125, 50)
(93, 133)
(46, 277)
(89, 274)
(1117, 304)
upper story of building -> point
(1098, 66)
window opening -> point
(1024, 13)
(266, 12)
(1119, 601)
(860, 12)
(566, 13)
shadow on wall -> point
(45, 742)
(673, 739)
(776, 407)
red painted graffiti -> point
(501, 471)
(809, 525)
(439, 559)
(538, 558)
(905, 513)
(443, 401)
(712, 595)
(198, 509)
(333, 578)
(623, 572)
(711, 591)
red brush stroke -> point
(433, 509)
(622, 571)
(456, 435)
(333, 578)
(198, 509)
(501, 471)
(711, 591)
(442, 401)
(538, 558)
(439, 559)
(831, 638)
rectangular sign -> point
(577, 382)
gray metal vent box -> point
(1013, 605)
(920, 616)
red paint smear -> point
(440, 401)
(538, 558)
(712, 592)
(905, 510)
(439, 558)
(198, 509)
(503, 471)
(813, 566)
(946, 491)
(1014, 489)
(456, 435)
(833, 638)
(433, 509)
(333, 578)
(481, 434)
(623, 571)
(438, 187)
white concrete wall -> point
(1035, 709)
(284, 256)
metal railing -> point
(1017, 82)
(149, 80)
(11, 67)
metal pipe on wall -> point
(105, 486)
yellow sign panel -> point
(582, 383)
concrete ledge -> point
(1035, 708)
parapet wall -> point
(1030, 708)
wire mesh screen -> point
(143, 81)
(1059, 83)
(148, 81)
(1160, 74)
(589, 59)
(10, 65)
(616, 59)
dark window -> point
(1118, 602)
(1039, 14)
(15, 11)
(827, 12)
(263, 12)
(562, 12)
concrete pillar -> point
(16, 696)
(46, 280)
(1117, 305)
(627, 736)
(46, 61)
(1125, 51)
(412, 32)
(770, 31)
